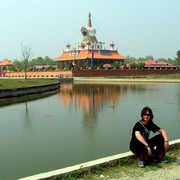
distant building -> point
(4, 66)
(153, 64)
(90, 52)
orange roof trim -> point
(87, 54)
(6, 62)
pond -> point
(82, 122)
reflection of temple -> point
(91, 96)
(91, 99)
(4, 66)
(90, 52)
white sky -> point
(137, 27)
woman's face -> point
(146, 116)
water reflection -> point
(91, 98)
(20, 99)
(27, 118)
(96, 99)
(82, 122)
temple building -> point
(4, 66)
(90, 52)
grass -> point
(154, 76)
(20, 83)
(126, 167)
(169, 76)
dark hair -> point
(144, 110)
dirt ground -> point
(163, 172)
(128, 169)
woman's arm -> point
(166, 142)
(141, 139)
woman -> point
(140, 144)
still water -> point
(82, 122)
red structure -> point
(91, 73)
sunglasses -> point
(146, 114)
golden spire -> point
(89, 20)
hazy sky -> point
(137, 27)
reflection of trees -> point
(27, 119)
(90, 116)
(15, 100)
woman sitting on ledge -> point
(140, 144)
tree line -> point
(20, 65)
(141, 63)
(175, 61)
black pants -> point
(156, 144)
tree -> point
(178, 57)
(49, 61)
(149, 57)
(130, 59)
(178, 54)
(140, 65)
(26, 53)
(137, 65)
(70, 66)
(133, 66)
(17, 66)
(177, 60)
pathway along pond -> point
(82, 122)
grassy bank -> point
(170, 76)
(154, 76)
(127, 168)
(19, 83)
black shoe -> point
(164, 160)
(155, 160)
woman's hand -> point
(149, 151)
(166, 145)
(164, 134)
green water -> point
(82, 122)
